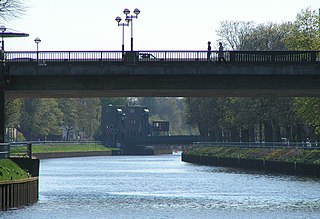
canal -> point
(165, 187)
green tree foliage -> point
(89, 114)
(204, 113)
(246, 35)
(305, 35)
(12, 112)
(41, 118)
(69, 120)
(308, 109)
(304, 32)
(46, 118)
(267, 37)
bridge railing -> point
(19, 149)
(163, 56)
(274, 56)
(4, 150)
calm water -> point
(165, 187)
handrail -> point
(24, 148)
(163, 56)
(4, 150)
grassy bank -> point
(11, 171)
(281, 154)
(47, 148)
(52, 148)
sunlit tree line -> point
(54, 119)
(265, 118)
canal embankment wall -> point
(293, 168)
(73, 154)
(17, 193)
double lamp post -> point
(129, 19)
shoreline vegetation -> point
(9, 170)
(45, 148)
(303, 156)
(58, 148)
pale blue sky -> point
(162, 24)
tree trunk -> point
(268, 132)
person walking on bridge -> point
(209, 52)
(221, 53)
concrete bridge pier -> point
(2, 101)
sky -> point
(69, 25)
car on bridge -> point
(147, 57)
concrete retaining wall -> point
(71, 154)
(31, 166)
(268, 165)
(16, 193)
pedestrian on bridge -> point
(221, 53)
(209, 52)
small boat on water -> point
(176, 153)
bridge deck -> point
(161, 73)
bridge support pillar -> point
(2, 102)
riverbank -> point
(9, 170)
(282, 160)
(18, 182)
(63, 150)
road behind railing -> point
(299, 145)
(162, 56)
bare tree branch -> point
(11, 9)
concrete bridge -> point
(161, 73)
(157, 73)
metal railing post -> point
(313, 55)
(8, 150)
(29, 150)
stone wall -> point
(294, 168)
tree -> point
(235, 33)
(69, 109)
(246, 35)
(267, 37)
(308, 110)
(11, 8)
(304, 33)
(41, 119)
(12, 112)
(204, 113)
(89, 113)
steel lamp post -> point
(118, 19)
(37, 41)
(2, 29)
(130, 19)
